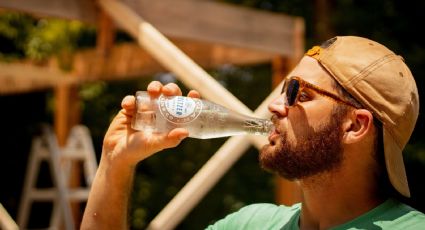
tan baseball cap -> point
(381, 81)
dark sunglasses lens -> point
(292, 91)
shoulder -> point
(392, 214)
(258, 216)
(408, 217)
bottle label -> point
(180, 110)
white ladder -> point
(79, 147)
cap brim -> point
(395, 164)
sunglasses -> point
(295, 85)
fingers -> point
(171, 89)
(178, 133)
(194, 94)
(156, 88)
(174, 137)
(148, 144)
(128, 103)
(128, 106)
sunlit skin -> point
(335, 197)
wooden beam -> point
(219, 23)
(105, 34)
(192, 19)
(82, 10)
(187, 71)
(165, 52)
(124, 61)
(24, 77)
(130, 60)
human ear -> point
(357, 126)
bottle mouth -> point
(268, 127)
(260, 126)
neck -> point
(334, 198)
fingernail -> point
(167, 88)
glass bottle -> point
(203, 119)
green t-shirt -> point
(389, 215)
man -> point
(344, 116)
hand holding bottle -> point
(123, 148)
(124, 144)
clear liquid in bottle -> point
(203, 119)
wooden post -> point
(105, 34)
(67, 114)
(67, 111)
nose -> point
(278, 106)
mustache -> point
(275, 120)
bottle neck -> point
(258, 126)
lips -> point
(275, 133)
(272, 138)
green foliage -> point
(49, 36)
(14, 28)
(22, 36)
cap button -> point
(314, 51)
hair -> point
(345, 95)
(384, 187)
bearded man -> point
(345, 114)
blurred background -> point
(41, 40)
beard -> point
(316, 153)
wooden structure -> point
(200, 32)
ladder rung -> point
(48, 194)
(75, 154)
(43, 154)
(44, 194)
(79, 194)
